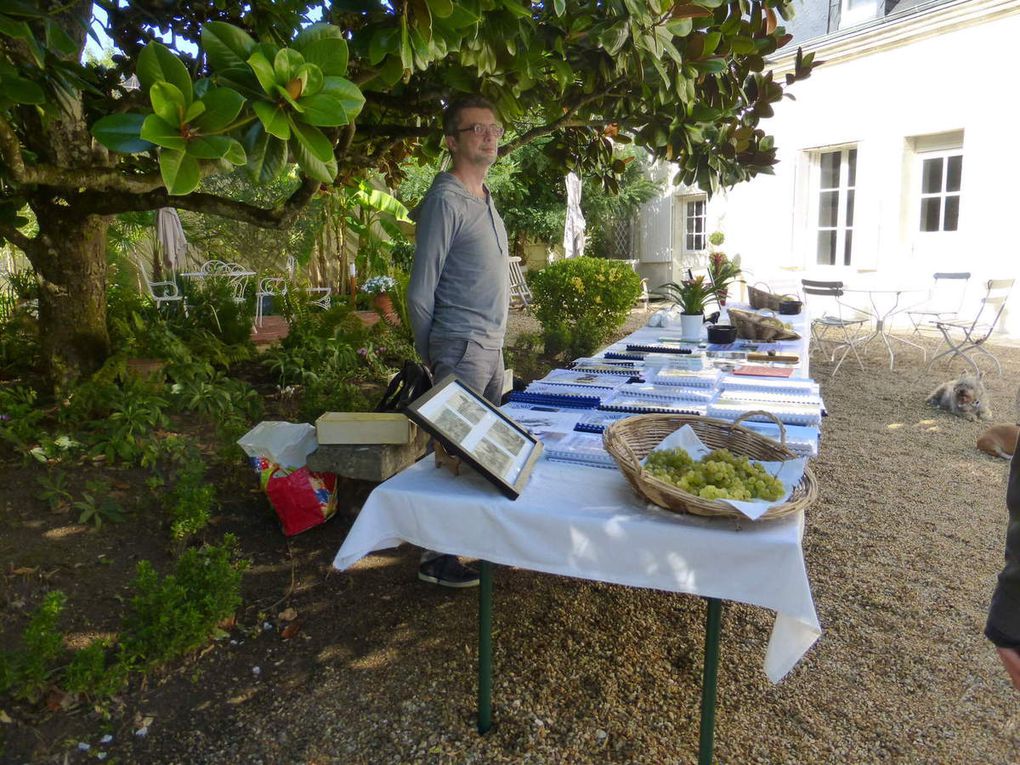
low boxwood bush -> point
(580, 302)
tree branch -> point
(279, 217)
(15, 237)
(563, 121)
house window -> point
(848, 13)
(940, 191)
(694, 225)
(837, 178)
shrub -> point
(580, 302)
(191, 500)
(173, 615)
(26, 673)
(95, 671)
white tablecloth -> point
(588, 523)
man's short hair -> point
(451, 114)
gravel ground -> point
(902, 549)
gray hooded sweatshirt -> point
(460, 284)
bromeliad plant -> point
(690, 295)
(723, 272)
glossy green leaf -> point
(263, 71)
(180, 172)
(58, 40)
(273, 118)
(560, 6)
(266, 155)
(235, 152)
(196, 108)
(324, 46)
(22, 91)
(222, 105)
(312, 77)
(157, 63)
(323, 110)
(208, 147)
(168, 102)
(162, 133)
(121, 132)
(384, 41)
(441, 9)
(312, 139)
(286, 65)
(311, 165)
(281, 91)
(226, 46)
(346, 92)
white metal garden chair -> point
(966, 337)
(270, 286)
(519, 290)
(830, 315)
(165, 291)
(944, 301)
(321, 296)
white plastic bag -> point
(286, 444)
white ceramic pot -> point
(690, 325)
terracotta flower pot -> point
(383, 304)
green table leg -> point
(713, 626)
(485, 647)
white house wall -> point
(957, 79)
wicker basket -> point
(630, 440)
(763, 298)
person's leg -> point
(482, 371)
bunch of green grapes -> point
(720, 475)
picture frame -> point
(474, 430)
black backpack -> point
(409, 383)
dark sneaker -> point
(447, 571)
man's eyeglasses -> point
(496, 131)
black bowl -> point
(790, 307)
(722, 334)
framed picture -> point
(473, 429)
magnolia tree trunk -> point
(69, 258)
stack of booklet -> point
(800, 439)
(579, 448)
(596, 422)
(788, 414)
(637, 402)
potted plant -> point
(380, 287)
(690, 296)
(722, 270)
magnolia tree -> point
(341, 90)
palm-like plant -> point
(690, 295)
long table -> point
(588, 523)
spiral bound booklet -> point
(577, 378)
(654, 391)
(788, 414)
(596, 421)
(689, 378)
(579, 448)
(769, 397)
(770, 385)
(802, 440)
(635, 403)
(556, 401)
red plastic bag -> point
(302, 499)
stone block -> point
(368, 462)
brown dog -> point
(1000, 440)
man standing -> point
(1003, 627)
(459, 292)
